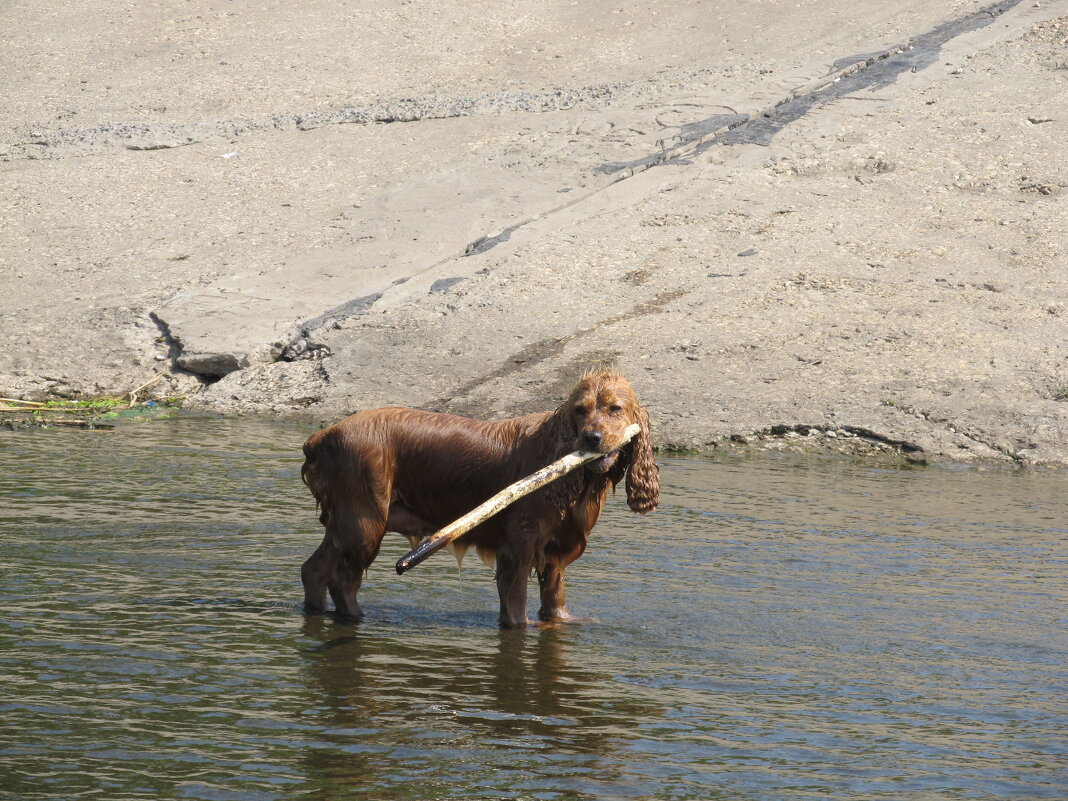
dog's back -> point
(436, 466)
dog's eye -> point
(615, 407)
(580, 411)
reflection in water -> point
(438, 713)
(783, 628)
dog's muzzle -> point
(604, 464)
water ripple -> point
(782, 628)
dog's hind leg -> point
(329, 570)
(343, 586)
(316, 574)
(356, 526)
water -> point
(782, 628)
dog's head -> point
(600, 408)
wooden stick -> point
(133, 394)
(504, 498)
(47, 409)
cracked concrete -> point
(784, 243)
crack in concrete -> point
(871, 72)
(303, 344)
(174, 349)
(875, 71)
(904, 446)
(945, 422)
(994, 446)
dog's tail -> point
(309, 473)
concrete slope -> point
(880, 263)
(802, 219)
(549, 150)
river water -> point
(782, 628)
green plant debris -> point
(87, 413)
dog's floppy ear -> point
(643, 475)
(563, 492)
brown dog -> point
(414, 472)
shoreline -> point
(863, 447)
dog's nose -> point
(592, 440)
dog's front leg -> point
(513, 572)
(553, 593)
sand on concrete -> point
(791, 225)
